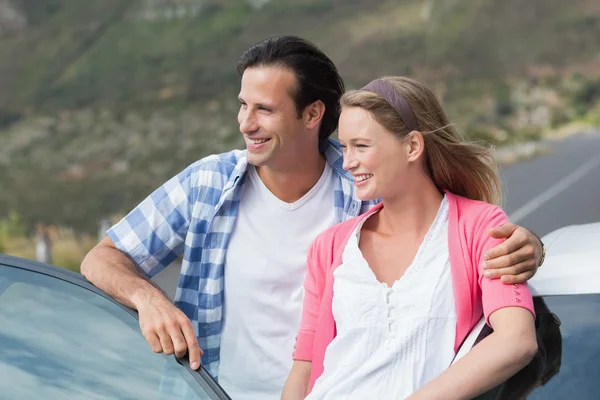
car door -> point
(569, 284)
(579, 373)
(578, 347)
(62, 338)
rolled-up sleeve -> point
(153, 233)
(495, 293)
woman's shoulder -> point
(475, 216)
(470, 208)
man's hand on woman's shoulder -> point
(517, 259)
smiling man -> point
(244, 220)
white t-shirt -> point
(265, 266)
(390, 341)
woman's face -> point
(378, 160)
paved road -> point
(558, 189)
(545, 193)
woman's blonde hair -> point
(455, 164)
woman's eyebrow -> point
(356, 139)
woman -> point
(391, 295)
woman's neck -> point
(412, 212)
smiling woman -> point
(395, 291)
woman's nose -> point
(349, 162)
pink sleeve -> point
(314, 284)
(495, 294)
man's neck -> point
(291, 184)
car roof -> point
(54, 271)
(572, 264)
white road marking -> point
(555, 190)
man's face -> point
(268, 118)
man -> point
(244, 221)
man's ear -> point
(313, 114)
(415, 145)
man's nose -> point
(248, 123)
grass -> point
(68, 248)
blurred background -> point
(101, 101)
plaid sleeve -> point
(153, 233)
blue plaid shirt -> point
(193, 213)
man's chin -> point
(258, 160)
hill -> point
(103, 100)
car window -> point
(579, 374)
(67, 342)
(566, 365)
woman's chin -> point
(367, 196)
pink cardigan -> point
(468, 239)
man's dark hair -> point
(317, 76)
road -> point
(562, 188)
(542, 194)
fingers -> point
(193, 348)
(179, 343)
(504, 231)
(511, 259)
(521, 278)
(515, 273)
(153, 341)
(169, 331)
(165, 341)
(517, 241)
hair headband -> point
(396, 100)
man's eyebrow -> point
(264, 105)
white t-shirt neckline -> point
(325, 177)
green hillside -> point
(102, 100)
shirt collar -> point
(333, 154)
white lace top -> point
(390, 340)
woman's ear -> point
(416, 145)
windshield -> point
(66, 342)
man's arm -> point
(166, 328)
(111, 270)
(517, 259)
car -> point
(568, 284)
(63, 338)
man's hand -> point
(515, 260)
(167, 329)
